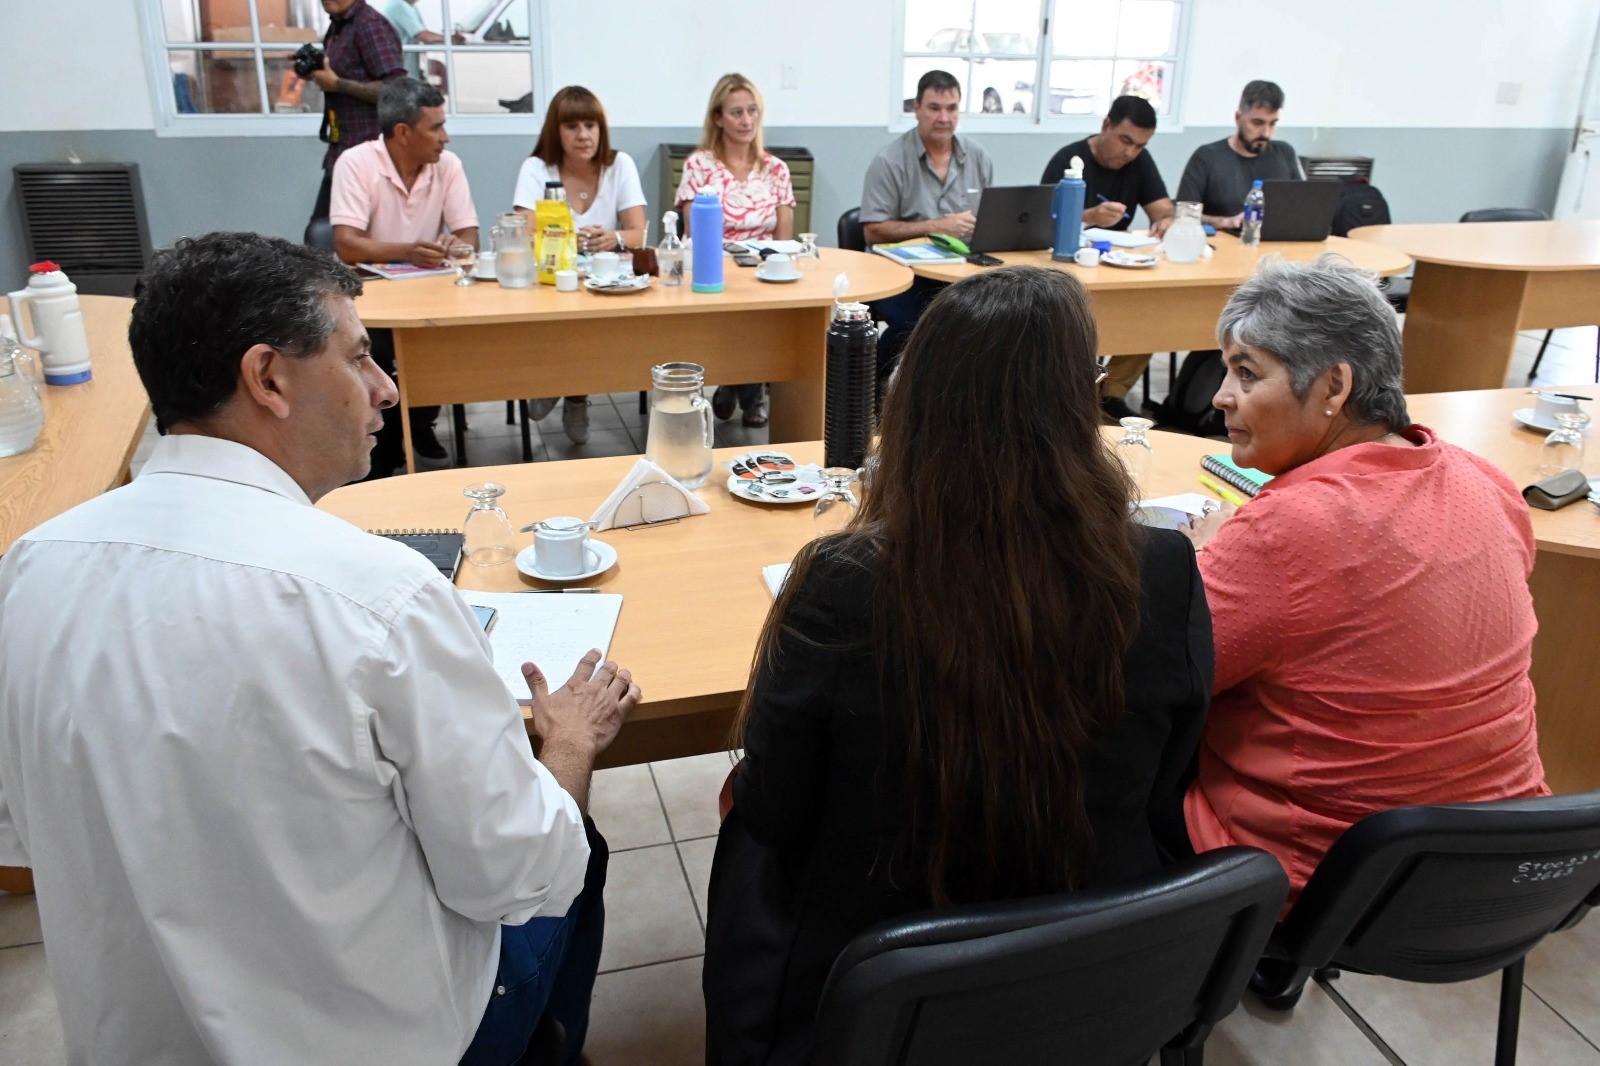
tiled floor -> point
(661, 819)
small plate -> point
(618, 287)
(746, 487)
(478, 273)
(1530, 420)
(1117, 257)
(778, 279)
(605, 559)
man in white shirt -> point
(278, 804)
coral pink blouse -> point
(749, 207)
(1373, 631)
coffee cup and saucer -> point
(778, 268)
(1546, 406)
(563, 551)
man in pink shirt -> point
(397, 200)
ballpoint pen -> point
(546, 592)
(1103, 198)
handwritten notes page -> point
(552, 630)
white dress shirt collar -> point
(198, 455)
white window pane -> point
(216, 82)
(1002, 86)
(1147, 79)
(1085, 27)
(1079, 87)
(1149, 28)
(492, 83)
(491, 21)
(1006, 27)
(916, 67)
(938, 25)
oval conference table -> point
(464, 344)
(694, 599)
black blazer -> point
(800, 865)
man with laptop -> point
(1219, 174)
(923, 182)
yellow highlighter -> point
(1209, 482)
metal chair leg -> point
(511, 412)
(1505, 1046)
(644, 400)
(1542, 346)
(527, 431)
(458, 430)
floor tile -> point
(1316, 1033)
(30, 1026)
(689, 790)
(19, 920)
(1562, 970)
(697, 865)
(653, 1014)
(649, 912)
(624, 804)
(1446, 1025)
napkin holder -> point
(648, 496)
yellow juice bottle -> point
(555, 235)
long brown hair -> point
(1006, 583)
(711, 133)
(573, 104)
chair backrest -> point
(1506, 214)
(1100, 976)
(852, 235)
(319, 234)
(1449, 892)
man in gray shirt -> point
(1219, 174)
(927, 180)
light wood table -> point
(1173, 307)
(1478, 283)
(90, 430)
(457, 344)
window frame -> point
(170, 123)
(1035, 119)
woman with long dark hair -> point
(987, 686)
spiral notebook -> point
(441, 547)
(1247, 480)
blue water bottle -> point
(705, 226)
(1066, 207)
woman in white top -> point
(757, 198)
(603, 191)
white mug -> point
(605, 265)
(561, 547)
(1088, 257)
(486, 265)
(1547, 405)
(778, 265)
(566, 281)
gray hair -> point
(1311, 316)
(1264, 94)
(402, 101)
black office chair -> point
(1101, 976)
(319, 235)
(852, 235)
(1442, 894)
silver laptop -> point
(1013, 218)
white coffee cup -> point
(1088, 257)
(1547, 405)
(566, 281)
(605, 265)
(777, 265)
(486, 265)
(561, 547)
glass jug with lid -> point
(513, 254)
(1185, 239)
(682, 429)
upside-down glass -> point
(1563, 449)
(807, 258)
(464, 256)
(487, 529)
(838, 502)
(1135, 450)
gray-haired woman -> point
(1370, 607)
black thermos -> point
(851, 386)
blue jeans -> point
(547, 966)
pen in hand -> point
(1103, 198)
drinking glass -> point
(808, 258)
(487, 529)
(1563, 449)
(464, 256)
(838, 503)
(1135, 450)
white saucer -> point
(1530, 420)
(777, 279)
(1119, 258)
(605, 558)
(637, 283)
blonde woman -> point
(757, 199)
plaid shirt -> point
(361, 46)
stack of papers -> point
(647, 495)
(1119, 238)
(550, 630)
(786, 247)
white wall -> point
(79, 64)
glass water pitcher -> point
(682, 428)
(1185, 240)
(513, 254)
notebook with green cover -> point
(1247, 480)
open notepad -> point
(552, 630)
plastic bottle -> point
(21, 414)
(555, 235)
(61, 342)
(705, 226)
(1066, 207)
(1255, 211)
(669, 255)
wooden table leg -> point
(404, 405)
(1566, 671)
(1461, 327)
(796, 407)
